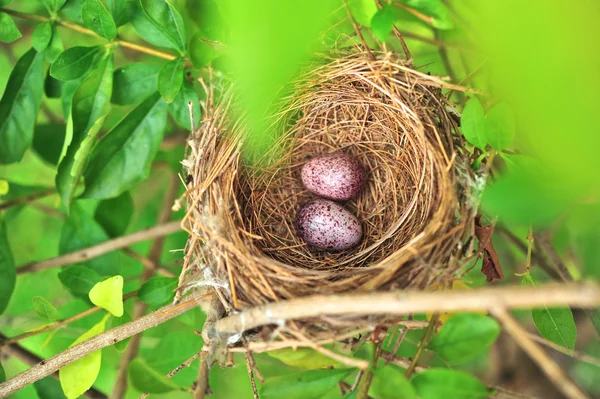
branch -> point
(91, 252)
(110, 337)
(552, 370)
(405, 302)
(26, 199)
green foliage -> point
(146, 379)
(49, 388)
(383, 22)
(363, 11)
(96, 17)
(114, 214)
(79, 280)
(134, 83)
(303, 358)
(473, 123)
(79, 376)
(19, 106)
(312, 384)
(179, 109)
(42, 35)
(554, 324)
(44, 308)
(442, 383)
(52, 5)
(464, 336)
(108, 294)
(8, 30)
(123, 157)
(159, 23)
(74, 62)
(48, 141)
(500, 126)
(436, 9)
(170, 79)
(121, 10)
(389, 383)
(8, 275)
(158, 290)
(201, 53)
(115, 322)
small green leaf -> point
(383, 22)
(96, 17)
(48, 388)
(48, 142)
(8, 30)
(19, 106)
(117, 322)
(390, 383)
(179, 109)
(303, 358)
(159, 23)
(134, 83)
(436, 9)
(500, 126)
(80, 230)
(8, 275)
(121, 10)
(4, 187)
(554, 324)
(147, 379)
(76, 378)
(44, 308)
(312, 384)
(79, 280)
(464, 336)
(52, 87)
(363, 11)
(41, 36)
(201, 54)
(158, 290)
(114, 214)
(108, 294)
(72, 10)
(443, 383)
(90, 106)
(74, 62)
(473, 124)
(123, 157)
(55, 48)
(53, 5)
(170, 79)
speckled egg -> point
(327, 225)
(336, 176)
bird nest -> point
(415, 208)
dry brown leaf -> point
(491, 264)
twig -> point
(57, 324)
(30, 359)
(553, 371)
(110, 337)
(102, 248)
(529, 249)
(139, 310)
(367, 377)
(248, 357)
(566, 351)
(405, 302)
(546, 249)
(357, 30)
(176, 370)
(213, 313)
(399, 36)
(422, 345)
(26, 199)
(147, 263)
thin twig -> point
(107, 338)
(176, 370)
(529, 249)
(552, 370)
(566, 351)
(424, 342)
(247, 356)
(147, 263)
(546, 249)
(91, 252)
(26, 199)
(357, 30)
(398, 35)
(405, 302)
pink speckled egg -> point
(327, 225)
(336, 176)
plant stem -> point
(26, 199)
(424, 341)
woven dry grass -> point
(415, 208)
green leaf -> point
(390, 383)
(96, 17)
(123, 157)
(383, 22)
(44, 308)
(134, 83)
(159, 23)
(201, 54)
(79, 280)
(53, 5)
(48, 142)
(55, 48)
(2, 374)
(90, 105)
(464, 336)
(312, 384)
(147, 379)
(115, 214)
(303, 358)
(19, 106)
(554, 324)
(79, 376)
(473, 124)
(8, 275)
(363, 11)
(8, 30)
(172, 350)
(500, 126)
(121, 10)
(48, 388)
(441, 17)
(79, 231)
(41, 36)
(117, 322)
(4, 2)
(443, 383)
(74, 62)
(170, 79)
(108, 294)
(72, 10)
(52, 87)
(158, 290)
(179, 109)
